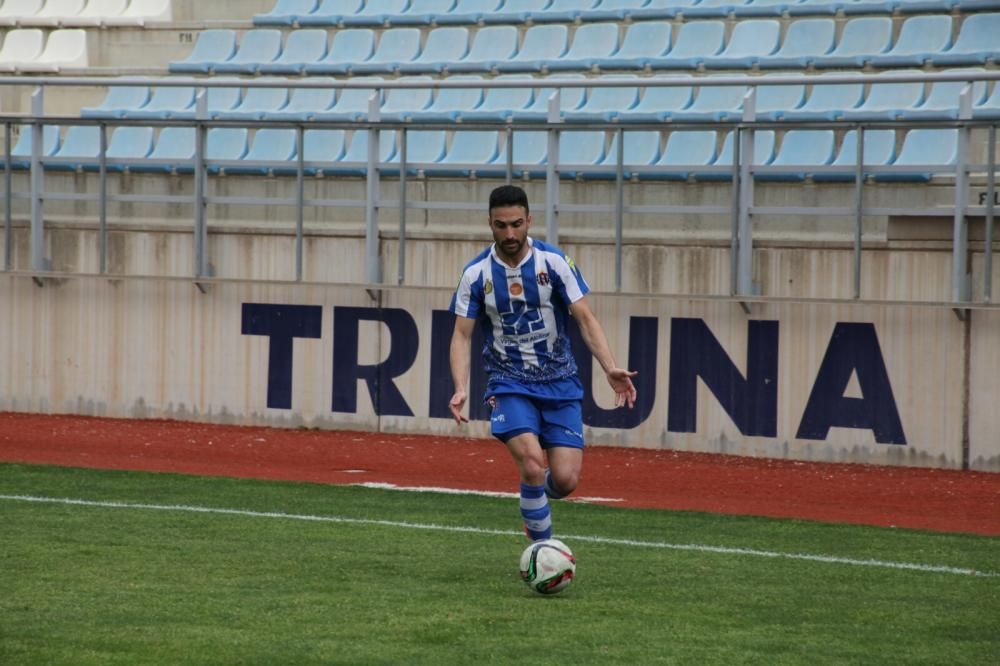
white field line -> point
(377, 485)
(721, 550)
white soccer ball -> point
(548, 566)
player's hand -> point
(621, 382)
(455, 405)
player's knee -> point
(565, 481)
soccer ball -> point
(548, 566)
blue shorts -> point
(556, 422)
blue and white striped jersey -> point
(523, 312)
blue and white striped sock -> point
(550, 488)
(535, 511)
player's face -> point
(510, 232)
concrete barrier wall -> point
(862, 383)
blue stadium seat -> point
(499, 104)
(257, 103)
(224, 144)
(119, 100)
(515, 11)
(713, 103)
(714, 8)
(452, 103)
(861, 39)
(286, 12)
(880, 149)
(990, 107)
(165, 102)
(919, 6)
(538, 109)
(302, 47)
(766, 7)
(851, 7)
(355, 159)
(800, 149)
(127, 143)
(443, 47)
(642, 42)
(752, 41)
(490, 45)
(888, 101)
(658, 104)
(174, 151)
(530, 153)
(592, 43)
(322, 147)
(580, 150)
(79, 147)
(470, 151)
(346, 48)
(400, 104)
(272, 151)
(919, 37)
(469, 11)
(330, 12)
(943, 101)
(213, 47)
(542, 44)
(423, 148)
(564, 11)
(217, 100)
(613, 10)
(805, 41)
(976, 44)
(814, 7)
(641, 148)
(375, 12)
(605, 104)
(352, 103)
(663, 9)
(423, 12)
(258, 46)
(684, 153)
(763, 154)
(693, 43)
(396, 46)
(922, 148)
(828, 101)
(773, 102)
(20, 153)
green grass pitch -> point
(346, 575)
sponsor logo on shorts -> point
(578, 435)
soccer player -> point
(522, 291)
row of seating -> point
(582, 154)
(441, 12)
(807, 42)
(28, 50)
(824, 102)
(84, 13)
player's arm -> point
(460, 355)
(593, 335)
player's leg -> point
(563, 474)
(515, 422)
(562, 438)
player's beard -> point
(511, 247)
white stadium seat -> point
(20, 46)
(65, 48)
(97, 13)
(141, 12)
(14, 12)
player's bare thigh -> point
(565, 463)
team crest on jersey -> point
(488, 287)
(516, 289)
(543, 279)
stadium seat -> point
(14, 12)
(773, 102)
(684, 153)
(515, 11)
(713, 103)
(641, 148)
(218, 100)
(119, 100)
(658, 104)
(451, 103)
(20, 153)
(663, 9)
(375, 13)
(888, 101)
(592, 43)
(55, 12)
(607, 103)
(879, 150)
(97, 13)
(976, 43)
(347, 47)
(580, 150)
(693, 44)
(224, 144)
(165, 102)
(861, 39)
(714, 8)
(396, 46)
(542, 45)
(499, 104)
(922, 148)
(990, 107)
(813, 7)
(352, 103)
(564, 11)
(330, 12)
(256, 47)
(271, 151)
(143, 12)
(355, 159)
(751, 42)
(469, 11)
(943, 100)
(423, 12)
(443, 47)
(642, 42)
(286, 12)
(305, 103)
(400, 104)
(919, 6)
(805, 41)
(469, 152)
(174, 151)
(919, 37)
(490, 45)
(322, 147)
(80, 147)
(850, 7)
(828, 101)
(800, 149)
(612, 10)
(213, 47)
(530, 153)
(64, 49)
(302, 47)
(570, 99)
(766, 7)
(19, 46)
(423, 148)
(257, 103)
(763, 154)
(127, 143)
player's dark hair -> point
(508, 195)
